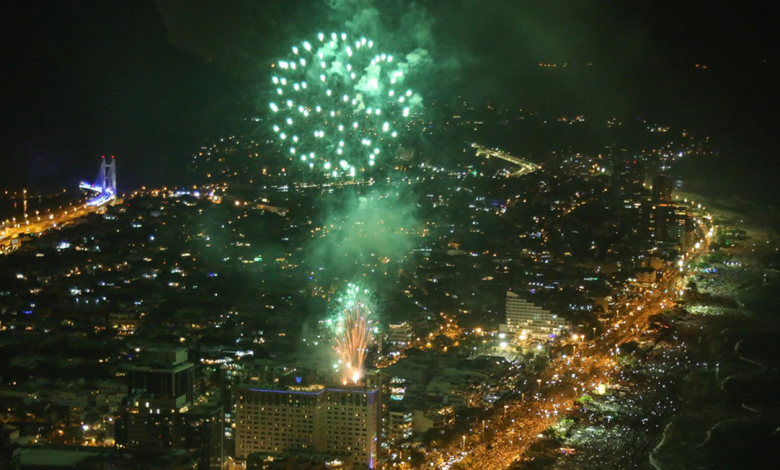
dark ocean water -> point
(18, 206)
(731, 411)
(730, 417)
(750, 178)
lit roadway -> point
(39, 224)
(514, 423)
(525, 166)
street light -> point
(539, 383)
(464, 442)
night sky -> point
(147, 81)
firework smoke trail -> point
(339, 103)
(354, 330)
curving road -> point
(43, 223)
(525, 166)
(522, 419)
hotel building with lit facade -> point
(309, 419)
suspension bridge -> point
(101, 194)
(103, 190)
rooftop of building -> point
(314, 389)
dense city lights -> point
(389, 235)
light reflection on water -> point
(17, 206)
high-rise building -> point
(160, 412)
(203, 434)
(648, 215)
(678, 225)
(628, 177)
(297, 461)
(662, 189)
(528, 321)
(667, 222)
(377, 379)
(314, 419)
(400, 420)
(159, 390)
(400, 336)
(164, 373)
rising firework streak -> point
(353, 327)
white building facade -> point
(525, 320)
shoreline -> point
(707, 413)
(759, 222)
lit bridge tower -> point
(104, 188)
(107, 177)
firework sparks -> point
(353, 328)
(339, 103)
